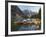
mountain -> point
(16, 10)
(29, 13)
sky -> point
(31, 8)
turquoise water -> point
(26, 28)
